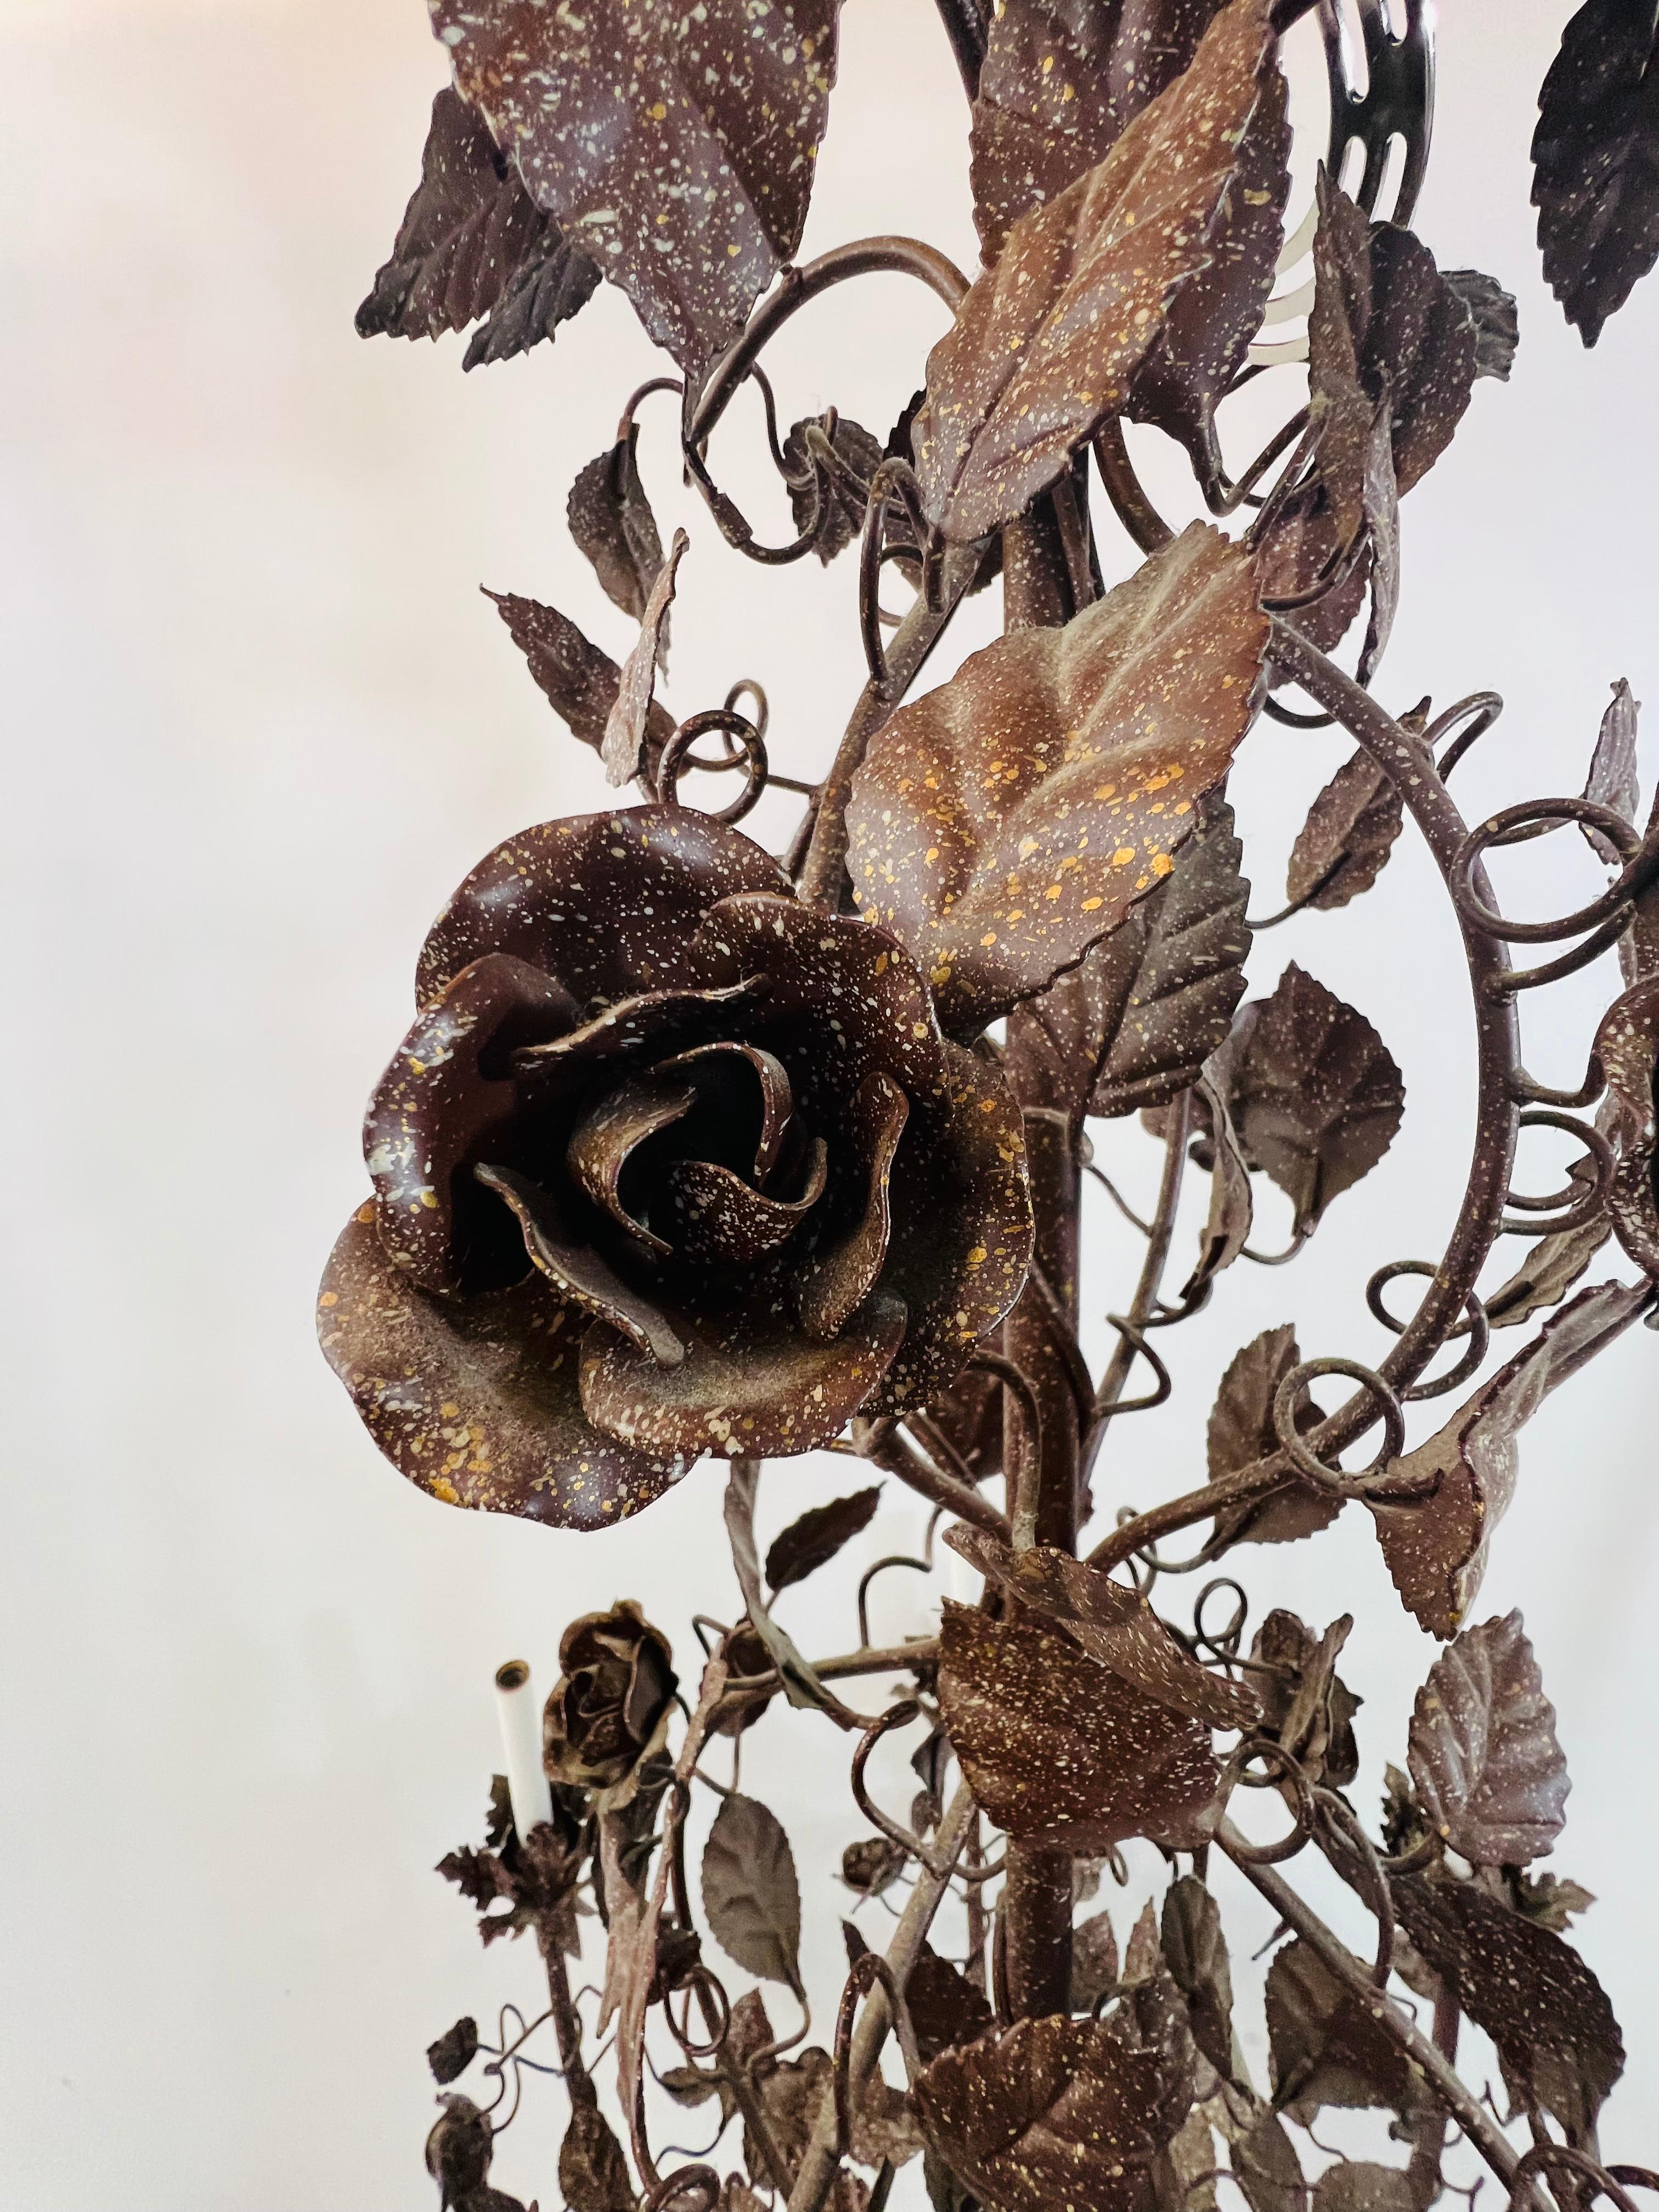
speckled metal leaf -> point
(813, 1540)
(1497, 328)
(1241, 1431)
(840, 515)
(1227, 1228)
(1627, 1046)
(1436, 1550)
(1596, 162)
(1134, 1022)
(1046, 342)
(678, 149)
(750, 1891)
(1006, 821)
(577, 679)
(476, 1399)
(622, 746)
(1060, 81)
(1360, 2186)
(1210, 322)
(1533, 1994)
(1325, 2048)
(1489, 1771)
(1113, 1624)
(1344, 845)
(1058, 2113)
(1315, 1096)
(473, 242)
(611, 522)
(1195, 1952)
(1057, 1748)
(608, 904)
(1612, 780)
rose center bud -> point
(704, 1156)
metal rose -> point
(669, 1163)
(609, 1707)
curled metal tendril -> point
(1581, 1207)
(1477, 1328)
(1604, 918)
(871, 1967)
(1289, 1395)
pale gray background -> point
(260, 723)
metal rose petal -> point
(716, 1215)
(655, 1020)
(846, 995)
(476, 1401)
(1006, 821)
(961, 1240)
(777, 1099)
(578, 1271)
(753, 1385)
(448, 1089)
(844, 1271)
(612, 1130)
(608, 904)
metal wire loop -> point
(1477, 1328)
(1289, 1394)
(676, 758)
(1479, 710)
(1518, 825)
(1581, 1206)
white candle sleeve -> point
(521, 1745)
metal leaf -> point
(1315, 1096)
(1094, 1962)
(622, 746)
(1241, 1431)
(650, 134)
(1497, 328)
(592, 2171)
(1489, 1771)
(1326, 2048)
(1612, 780)
(454, 2051)
(1267, 2169)
(1345, 840)
(1010, 819)
(611, 519)
(1596, 160)
(1046, 342)
(749, 1892)
(840, 514)
(1227, 1228)
(1358, 2185)
(813, 1541)
(1134, 1022)
(1532, 1993)
(1436, 1550)
(472, 240)
(577, 679)
(1627, 1046)
(1059, 2112)
(1056, 1747)
(1195, 1953)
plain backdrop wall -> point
(260, 722)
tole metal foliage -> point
(693, 1150)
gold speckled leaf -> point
(1046, 342)
(1007, 820)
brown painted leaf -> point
(1627, 1046)
(946, 2010)
(1053, 2113)
(1134, 1022)
(1046, 342)
(611, 519)
(1113, 1624)
(592, 2171)
(1532, 1993)
(1269, 2171)
(1317, 1096)
(1227, 1228)
(813, 1541)
(1057, 87)
(678, 149)
(1497, 328)
(622, 746)
(576, 678)
(1094, 1962)
(1195, 1953)
(473, 242)
(840, 516)
(1612, 780)
(1489, 1771)
(1436, 1550)
(1548, 1899)
(1557, 1261)
(1325, 2048)
(1359, 2185)
(1055, 1747)
(1596, 162)
(1346, 838)
(749, 1892)
(1241, 1431)
(454, 2051)
(1008, 820)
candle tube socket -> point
(521, 1745)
